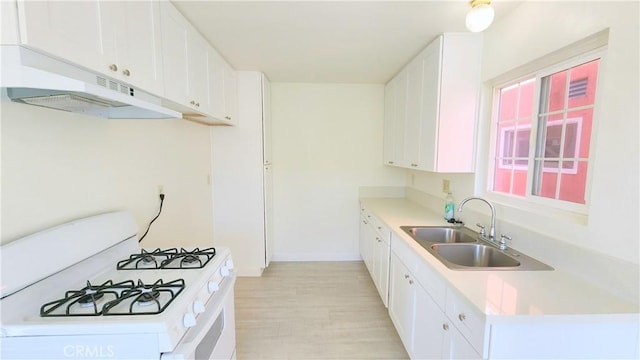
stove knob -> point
(229, 264)
(224, 271)
(213, 286)
(198, 307)
(189, 320)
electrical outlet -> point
(160, 189)
(446, 185)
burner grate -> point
(145, 297)
(168, 259)
(123, 298)
(88, 298)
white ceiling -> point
(326, 41)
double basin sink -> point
(462, 249)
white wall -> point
(58, 166)
(533, 30)
(327, 141)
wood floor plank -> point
(313, 310)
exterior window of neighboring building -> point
(542, 126)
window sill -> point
(529, 207)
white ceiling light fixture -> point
(480, 16)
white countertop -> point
(504, 295)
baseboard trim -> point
(316, 257)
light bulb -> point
(479, 17)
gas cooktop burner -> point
(124, 298)
(90, 299)
(168, 259)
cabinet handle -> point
(378, 239)
(406, 276)
(365, 222)
(445, 326)
(462, 316)
(228, 117)
(197, 104)
(414, 165)
(113, 67)
(126, 72)
(193, 102)
(390, 162)
(379, 227)
(410, 282)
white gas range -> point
(89, 291)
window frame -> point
(530, 202)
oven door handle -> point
(190, 341)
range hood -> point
(30, 77)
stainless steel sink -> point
(474, 255)
(462, 249)
(441, 234)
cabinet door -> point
(70, 30)
(459, 94)
(429, 328)
(390, 141)
(198, 63)
(216, 84)
(379, 250)
(138, 51)
(401, 300)
(230, 94)
(457, 347)
(412, 124)
(383, 279)
(363, 239)
(395, 106)
(175, 45)
(428, 133)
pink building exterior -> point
(576, 116)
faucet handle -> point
(503, 241)
(483, 232)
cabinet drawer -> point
(470, 324)
(378, 225)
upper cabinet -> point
(434, 101)
(196, 76)
(147, 44)
(118, 39)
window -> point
(542, 126)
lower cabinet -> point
(436, 321)
(375, 250)
(425, 330)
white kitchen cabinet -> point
(401, 300)
(186, 61)
(375, 250)
(367, 247)
(426, 331)
(119, 39)
(224, 88)
(199, 82)
(439, 113)
(231, 94)
(9, 33)
(394, 120)
(241, 181)
(381, 252)
(412, 124)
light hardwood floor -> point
(313, 310)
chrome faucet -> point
(492, 230)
